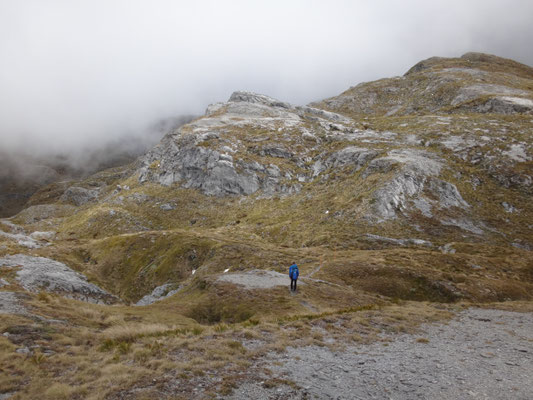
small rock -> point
(167, 207)
(22, 350)
(508, 207)
(447, 249)
(159, 293)
(49, 235)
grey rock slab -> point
(447, 249)
(11, 304)
(351, 155)
(43, 235)
(417, 172)
(417, 161)
(508, 207)
(322, 114)
(23, 350)
(255, 98)
(474, 91)
(198, 168)
(250, 97)
(196, 155)
(506, 105)
(14, 228)
(275, 151)
(159, 293)
(447, 193)
(79, 196)
(22, 240)
(18, 234)
(38, 273)
(257, 279)
(463, 224)
(518, 152)
(399, 242)
(393, 196)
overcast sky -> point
(74, 73)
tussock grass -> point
(130, 332)
(129, 245)
(59, 391)
(213, 311)
(134, 352)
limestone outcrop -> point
(200, 155)
(475, 82)
(38, 273)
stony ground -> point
(481, 354)
(256, 279)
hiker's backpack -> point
(293, 272)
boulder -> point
(79, 196)
(159, 293)
(38, 273)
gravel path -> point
(481, 354)
(258, 279)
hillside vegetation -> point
(393, 194)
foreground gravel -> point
(481, 354)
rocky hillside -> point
(410, 188)
(434, 176)
(475, 82)
(25, 172)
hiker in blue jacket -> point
(293, 274)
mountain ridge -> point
(475, 82)
(397, 204)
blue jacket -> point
(293, 271)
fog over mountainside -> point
(77, 74)
(24, 170)
(80, 81)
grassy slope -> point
(129, 245)
(409, 94)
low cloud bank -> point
(77, 77)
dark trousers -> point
(293, 285)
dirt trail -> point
(257, 279)
(481, 354)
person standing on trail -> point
(293, 274)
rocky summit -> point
(393, 194)
(475, 82)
